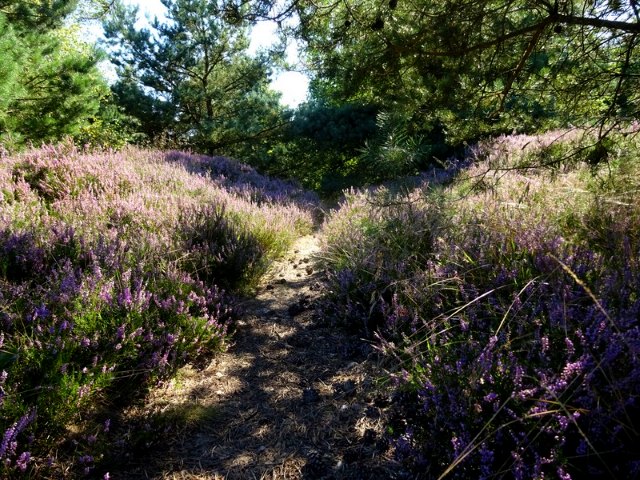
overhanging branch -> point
(629, 27)
(552, 18)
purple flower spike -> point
(23, 461)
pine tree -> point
(49, 84)
(191, 72)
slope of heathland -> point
(508, 302)
(115, 269)
(479, 321)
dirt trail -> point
(292, 398)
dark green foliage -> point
(189, 79)
(400, 147)
(49, 84)
(477, 68)
(333, 147)
(153, 115)
(68, 96)
(111, 127)
(327, 126)
(322, 145)
(11, 55)
(39, 15)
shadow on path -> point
(292, 398)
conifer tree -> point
(49, 84)
(191, 73)
(478, 66)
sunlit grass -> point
(508, 301)
(115, 270)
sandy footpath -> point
(291, 398)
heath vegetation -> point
(483, 157)
(506, 303)
(116, 269)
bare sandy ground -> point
(292, 398)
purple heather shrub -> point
(219, 250)
(508, 151)
(23, 461)
(516, 327)
(244, 180)
(374, 240)
(9, 445)
(96, 300)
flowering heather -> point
(112, 269)
(373, 242)
(511, 311)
